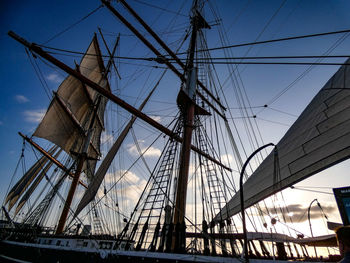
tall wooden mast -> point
(187, 106)
(83, 156)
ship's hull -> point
(14, 251)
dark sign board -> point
(342, 196)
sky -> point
(23, 99)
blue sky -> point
(22, 97)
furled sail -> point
(318, 139)
(19, 188)
(33, 186)
(68, 117)
(102, 170)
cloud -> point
(21, 99)
(1, 123)
(130, 190)
(156, 118)
(34, 116)
(106, 137)
(151, 151)
(227, 159)
(128, 175)
(133, 192)
(299, 213)
(54, 77)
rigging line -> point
(74, 24)
(245, 7)
(43, 82)
(88, 54)
(125, 63)
(183, 59)
(273, 40)
(274, 109)
(114, 184)
(39, 74)
(194, 225)
(169, 27)
(79, 54)
(235, 83)
(286, 18)
(260, 57)
(160, 8)
(15, 171)
(275, 122)
(237, 77)
(285, 224)
(52, 185)
(325, 187)
(43, 173)
(233, 143)
(278, 63)
(302, 75)
(267, 24)
(140, 151)
(116, 211)
(144, 65)
(258, 118)
(175, 32)
(158, 101)
(250, 107)
(314, 191)
(179, 27)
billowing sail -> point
(318, 139)
(68, 117)
(102, 170)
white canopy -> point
(318, 139)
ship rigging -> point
(189, 202)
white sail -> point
(318, 139)
(18, 189)
(102, 170)
(28, 193)
(67, 119)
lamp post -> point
(273, 222)
(245, 239)
(308, 216)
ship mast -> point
(187, 106)
(83, 156)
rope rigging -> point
(212, 184)
(275, 40)
(213, 60)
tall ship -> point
(116, 174)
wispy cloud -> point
(156, 118)
(105, 137)
(151, 151)
(132, 192)
(227, 159)
(1, 123)
(298, 213)
(54, 77)
(21, 99)
(34, 116)
(128, 175)
(128, 189)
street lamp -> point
(273, 222)
(245, 239)
(308, 216)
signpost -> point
(342, 196)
